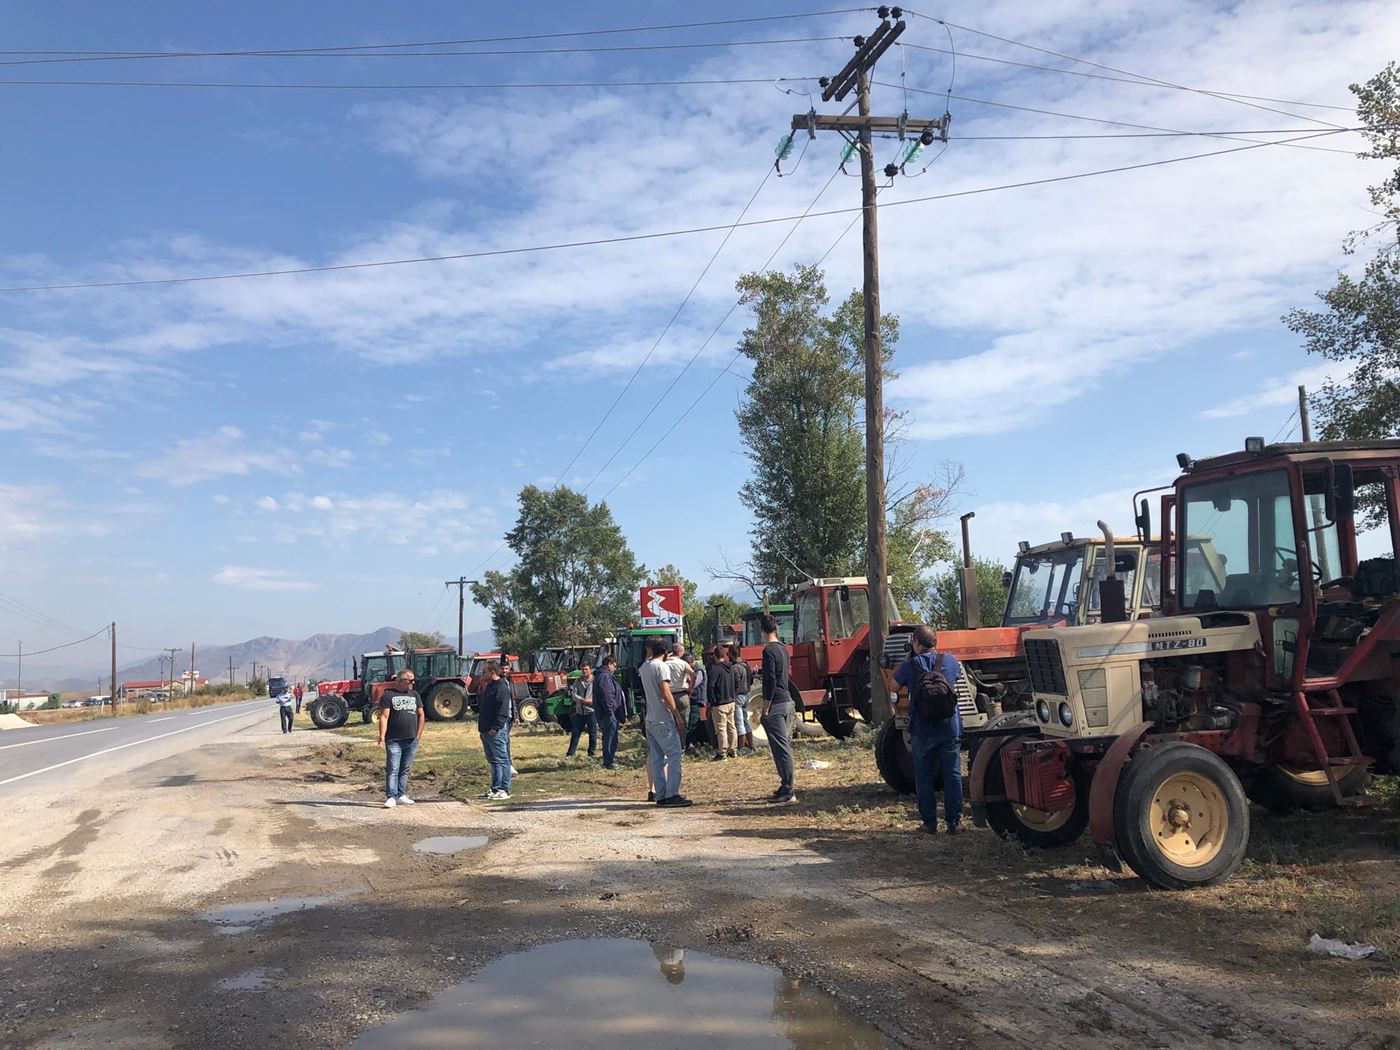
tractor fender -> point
(1104, 790)
(977, 778)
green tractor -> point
(560, 666)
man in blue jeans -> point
(934, 745)
(401, 719)
(493, 718)
(611, 704)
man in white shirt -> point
(665, 727)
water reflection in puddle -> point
(618, 994)
(240, 918)
(256, 980)
(449, 843)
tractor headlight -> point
(1042, 711)
(1066, 715)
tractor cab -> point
(752, 634)
(831, 648)
(1061, 581)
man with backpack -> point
(926, 679)
(743, 681)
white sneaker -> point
(500, 796)
(514, 772)
(486, 794)
(390, 803)
(404, 800)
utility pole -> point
(114, 668)
(461, 584)
(1303, 414)
(230, 670)
(191, 668)
(172, 653)
(855, 75)
(19, 674)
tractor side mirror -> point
(1006, 580)
(1144, 521)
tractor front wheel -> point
(892, 758)
(446, 703)
(1039, 828)
(836, 722)
(366, 714)
(1180, 816)
(331, 713)
(530, 712)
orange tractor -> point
(1270, 674)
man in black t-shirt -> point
(401, 720)
(779, 709)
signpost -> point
(661, 607)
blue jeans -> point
(937, 757)
(607, 725)
(398, 758)
(583, 721)
(664, 755)
(497, 749)
(741, 715)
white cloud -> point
(335, 458)
(1277, 392)
(249, 579)
(265, 503)
(428, 522)
(220, 498)
(221, 452)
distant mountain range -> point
(320, 656)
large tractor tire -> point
(367, 714)
(1284, 789)
(530, 712)
(1037, 828)
(860, 670)
(892, 758)
(330, 713)
(835, 721)
(1180, 816)
(446, 703)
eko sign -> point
(661, 607)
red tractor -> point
(439, 681)
(1271, 674)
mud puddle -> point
(240, 918)
(449, 843)
(256, 980)
(625, 994)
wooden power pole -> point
(461, 584)
(191, 668)
(114, 668)
(1303, 415)
(855, 75)
(172, 652)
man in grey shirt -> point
(585, 717)
(665, 727)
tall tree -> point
(1360, 320)
(945, 608)
(802, 423)
(703, 632)
(575, 576)
(671, 576)
(420, 639)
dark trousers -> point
(607, 725)
(298, 705)
(777, 723)
(582, 721)
(937, 763)
(286, 713)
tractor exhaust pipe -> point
(971, 600)
(1112, 598)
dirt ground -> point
(933, 940)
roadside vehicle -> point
(276, 685)
(439, 682)
(1271, 674)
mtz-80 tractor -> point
(1271, 674)
(1053, 584)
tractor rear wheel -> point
(1284, 789)
(892, 758)
(1040, 828)
(366, 714)
(836, 722)
(1180, 816)
(446, 703)
(530, 712)
(331, 713)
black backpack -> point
(934, 696)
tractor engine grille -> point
(1047, 672)
(967, 696)
(896, 649)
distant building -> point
(23, 701)
(137, 690)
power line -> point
(638, 371)
(1126, 72)
(1286, 423)
(657, 235)
(1120, 80)
(1094, 120)
(308, 86)
(28, 612)
(484, 53)
(55, 648)
(154, 53)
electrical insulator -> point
(912, 150)
(891, 170)
(784, 150)
(927, 137)
(849, 152)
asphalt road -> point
(34, 756)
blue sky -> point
(290, 455)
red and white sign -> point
(661, 607)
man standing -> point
(779, 710)
(665, 726)
(610, 707)
(298, 696)
(682, 679)
(722, 705)
(743, 681)
(933, 742)
(401, 718)
(493, 718)
(284, 710)
(585, 717)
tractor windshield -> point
(1243, 552)
(548, 660)
(753, 633)
(1046, 587)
